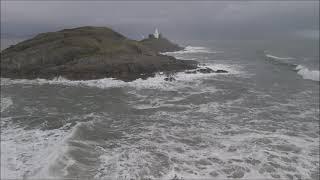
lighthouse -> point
(156, 33)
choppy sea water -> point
(259, 121)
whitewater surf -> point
(259, 120)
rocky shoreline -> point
(86, 53)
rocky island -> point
(90, 53)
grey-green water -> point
(261, 120)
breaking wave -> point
(307, 73)
(302, 70)
(280, 60)
(193, 49)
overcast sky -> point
(178, 20)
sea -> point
(258, 121)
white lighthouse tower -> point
(156, 33)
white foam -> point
(193, 49)
(156, 82)
(29, 153)
(57, 164)
(307, 73)
(166, 147)
(23, 152)
(6, 102)
(133, 160)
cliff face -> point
(89, 53)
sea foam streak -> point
(279, 58)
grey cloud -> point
(196, 20)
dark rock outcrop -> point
(89, 53)
(205, 70)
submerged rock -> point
(169, 79)
(89, 53)
(221, 71)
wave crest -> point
(278, 58)
(303, 71)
